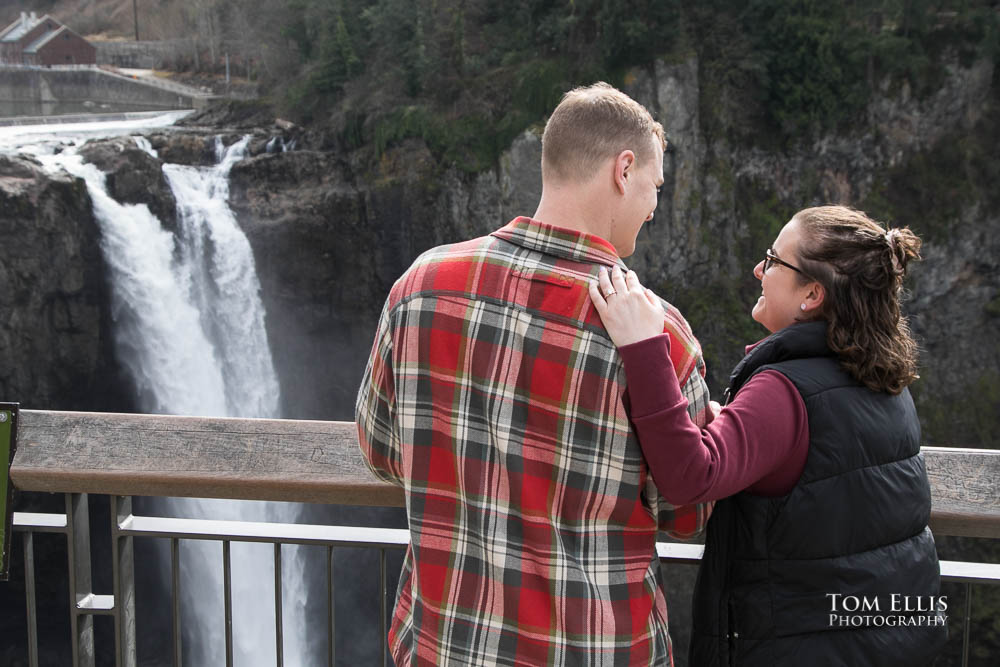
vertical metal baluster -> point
(175, 573)
(115, 612)
(382, 605)
(78, 557)
(227, 579)
(29, 597)
(331, 653)
(278, 639)
(967, 625)
(123, 577)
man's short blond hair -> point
(592, 124)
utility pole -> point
(135, 17)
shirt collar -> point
(559, 241)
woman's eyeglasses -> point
(770, 259)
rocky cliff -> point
(332, 229)
(928, 163)
(330, 241)
(331, 234)
(55, 328)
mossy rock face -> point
(993, 307)
(964, 419)
(720, 316)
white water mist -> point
(190, 331)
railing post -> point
(8, 445)
(279, 640)
(29, 597)
(331, 654)
(123, 566)
(966, 625)
(227, 592)
(175, 588)
(78, 555)
(383, 603)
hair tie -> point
(892, 239)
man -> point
(495, 398)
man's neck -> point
(573, 208)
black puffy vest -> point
(855, 525)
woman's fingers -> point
(632, 280)
(605, 282)
(628, 314)
(597, 298)
(618, 280)
(615, 282)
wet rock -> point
(55, 325)
(187, 148)
(235, 114)
(133, 176)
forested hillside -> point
(473, 74)
(468, 75)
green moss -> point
(931, 190)
(353, 132)
(993, 307)
(411, 121)
(470, 141)
(539, 85)
(984, 408)
(764, 213)
(720, 317)
(969, 421)
(723, 173)
(877, 203)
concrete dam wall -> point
(44, 92)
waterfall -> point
(189, 329)
(158, 331)
(217, 270)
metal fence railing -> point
(126, 455)
(84, 604)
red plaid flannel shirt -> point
(493, 395)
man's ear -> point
(624, 166)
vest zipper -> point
(733, 635)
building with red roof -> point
(43, 42)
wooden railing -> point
(320, 462)
(155, 455)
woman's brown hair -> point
(861, 267)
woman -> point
(822, 534)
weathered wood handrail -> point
(158, 455)
(319, 462)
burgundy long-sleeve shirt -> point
(757, 443)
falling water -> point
(217, 272)
(158, 331)
(189, 328)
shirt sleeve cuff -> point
(650, 376)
